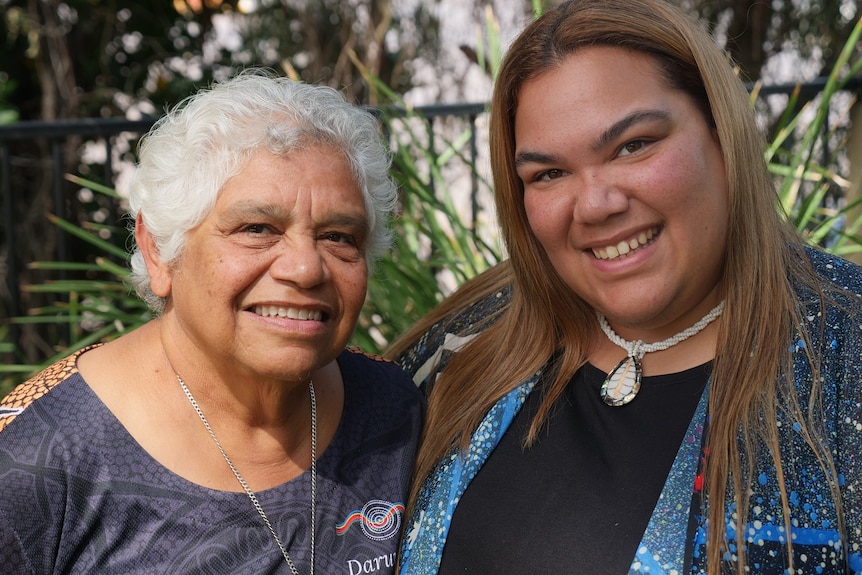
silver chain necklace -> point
(247, 489)
(624, 381)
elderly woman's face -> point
(274, 278)
(625, 188)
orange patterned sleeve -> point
(26, 393)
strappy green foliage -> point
(438, 244)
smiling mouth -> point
(626, 247)
(288, 312)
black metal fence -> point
(36, 156)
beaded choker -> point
(624, 381)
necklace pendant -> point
(623, 382)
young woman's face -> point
(625, 189)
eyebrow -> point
(619, 127)
(251, 209)
(531, 157)
(360, 224)
(606, 137)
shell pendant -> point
(623, 383)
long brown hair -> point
(544, 316)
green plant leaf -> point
(97, 242)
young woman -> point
(660, 379)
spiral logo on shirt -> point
(378, 519)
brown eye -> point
(340, 238)
(549, 175)
(631, 147)
(256, 229)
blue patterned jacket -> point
(674, 541)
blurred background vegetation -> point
(74, 59)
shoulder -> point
(381, 404)
(827, 284)
(840, 302)
(836, 271)
(836, 308)
(376, 375)
(357, 362)
(430, 352)
(833, 320)
(431, 349)
(38, 386)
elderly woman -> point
(661, 379)
(233, 433)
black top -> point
(78, 494)
(580, 498)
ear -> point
(161, 275)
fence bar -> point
(474, 177)
(432, 154)
(113, 216)
(14, 308)
(59, 197)
(57, 132)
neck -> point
(675, 317)
(235, 394)
(637, 348)
(690, 347)
(289, 466)
(263, 423)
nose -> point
(598, 198)
(299, 261)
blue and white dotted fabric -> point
(442, 491)
(674, 542)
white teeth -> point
(288, 312)
(624, 247)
